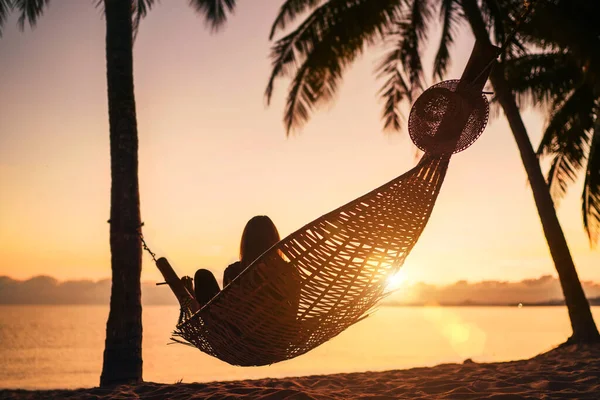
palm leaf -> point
(318, 51)
(302, 97)
(289, 11)
(561, 174)
(214, 11)
(563, 24)
(569, 120)
(503, 18)
(449, 14)
(412, 36)
(542, 78)
(284, 50)
(496, 15)
(29, 11)
(5, 8)
(591, 189)
(140, 10)
(395, 89)
(567, 139)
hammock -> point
(329, 274)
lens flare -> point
(396, 281)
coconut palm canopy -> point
(563, 78)
(317, 52)
(214, 11)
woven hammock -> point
(329, 274)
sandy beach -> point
(571, 372)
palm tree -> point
(335, 32)
(123, 346)
(582, 322)
(564, 80)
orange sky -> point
(212, 155)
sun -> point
(396, 281)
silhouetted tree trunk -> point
(582, 322)
(123, 347)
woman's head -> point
(259, 235)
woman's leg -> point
(205, 286)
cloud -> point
(543, 289)
(47, 290)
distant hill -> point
(48, 290)
(594, 301)
(542, 291)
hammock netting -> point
(342, 260)
(329, 274)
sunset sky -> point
(212, 155)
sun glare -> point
(396, 281)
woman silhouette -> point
(259, 235)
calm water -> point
(61, 346)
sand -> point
(571, 372)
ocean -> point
(49, 346)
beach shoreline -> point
(565, 372)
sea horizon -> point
(533, 292)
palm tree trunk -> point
(582, 322)
(123, 347)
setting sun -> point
(396, 281)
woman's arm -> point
(186, 299)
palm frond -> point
(302, 97)
(542, 78)
(560, 175)
(503, 18)
(214, 11)
(567, 24)
(420, 15)
(5, 8)
(287, 51)
(140, 10)
(591, 189)
(569, 121)
(496, 110)
(29, 11)
(318, 51)
(449, 14)
(495, 15)
(567, 139)
(414, 34)
(395, 89)
(289, 11)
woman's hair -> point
(259, 235)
